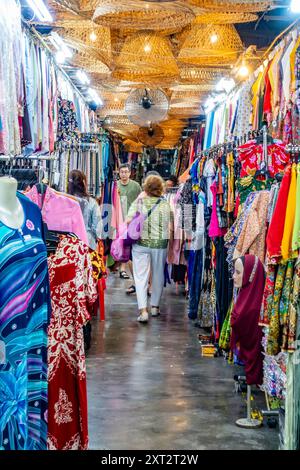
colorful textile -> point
(276, 228)
(24, 316)
(253, 236)
(296, 231)
(273, 346)
(73, 288)
(267, 303)
(224, 341)
(294, 310)
(60, 212)
(251, 155)
(284, 304)
(286, 244)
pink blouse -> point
(60, 212)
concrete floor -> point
(149, 388)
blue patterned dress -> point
(24, 317)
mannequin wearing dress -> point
(11, 211)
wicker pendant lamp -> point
(211, 45)
(233, 5)
(138, 15)
(146, 56)
(225, 17)
(199, 74)
(91, 65)
(88, 38)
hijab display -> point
(245, 317)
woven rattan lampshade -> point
(131, 146)
(199, 74)
(146, 56)
(211, 45)
(90, 64)
(233, 5)
(79, 37)
(138, 15)
(225, 17)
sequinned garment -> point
(24, 316)
(73, 288)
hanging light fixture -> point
(295, 6)
(243, 71)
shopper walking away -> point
(90, 208)
(150, 252)
(129, 190)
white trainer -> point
(155, 311)
(143, 318)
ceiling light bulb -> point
(213, 38)
(93, 36)
(147, 48)
(295, 6)
(116, 100)
(243, 71)
(40, 10)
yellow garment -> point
(293, 65)
(286, 244)
(255, 100)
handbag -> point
(136, 225)
(128, 234)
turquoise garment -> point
(24, 317)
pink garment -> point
(117, 213)
(214, 228)
(60, 212)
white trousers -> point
(145, 260)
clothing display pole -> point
(248, 423)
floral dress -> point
(73, 288)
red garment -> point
(276, 228)
(251, 155)
(72, 289)
(245, 318)
(267, 106)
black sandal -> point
(131, 290)
(124, 275)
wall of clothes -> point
(38, 109)
(242, 197)
(270, 94)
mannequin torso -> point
(11, 211)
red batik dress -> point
(73, 288)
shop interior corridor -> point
(149, 387)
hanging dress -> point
(73, 289)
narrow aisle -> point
(149, 387)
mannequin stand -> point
(248, 423)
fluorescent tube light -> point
(40, 10)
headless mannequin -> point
(11, 211)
